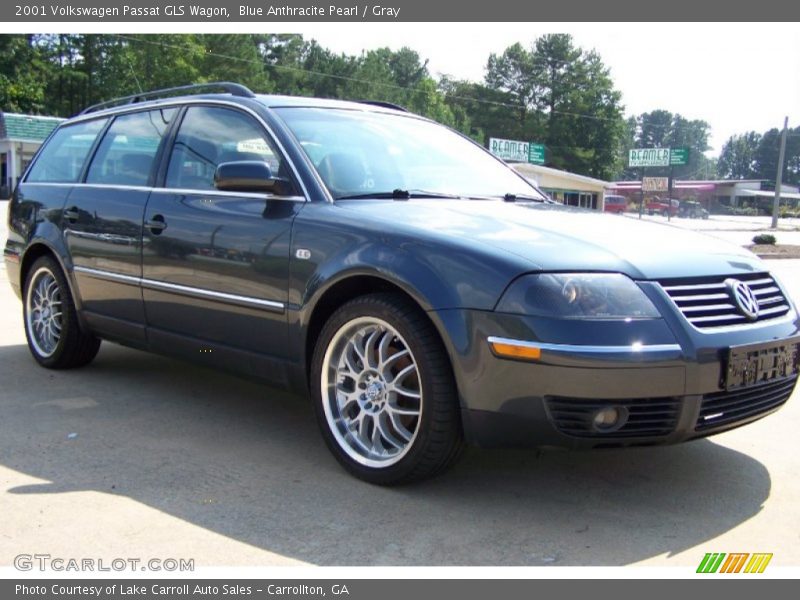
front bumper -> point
(665, 377)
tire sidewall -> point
(370, 307)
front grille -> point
(725, 408)
(647, 417)
(706, 303)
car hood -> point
(552, 237)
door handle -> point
(71, 214)
(156, 224)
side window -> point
(126, 154)
(209, 136)
(61, 160)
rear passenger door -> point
(216, 263)
(102, 222)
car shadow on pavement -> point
(247, 462)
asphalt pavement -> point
(141, 456)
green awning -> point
(26, 127)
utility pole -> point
(669, 192)
(641, 195)
(776, 205)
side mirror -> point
(249, 176)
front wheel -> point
(384, 391)
(54, 335)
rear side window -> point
(209, 136)
(129, 147)
(62, 158)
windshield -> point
(361, 153)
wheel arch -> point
(341, 291)
(35, 250)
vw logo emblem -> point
(744, 298)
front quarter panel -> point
(438, 274)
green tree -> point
(513, 74)
(23, 75)
(766, 156)
(664, 129)
(480, 109)
(280, 54)
(234, 57)
(738, 157)
(560, 95)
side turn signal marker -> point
(507, 350)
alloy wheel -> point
(44, 312)
(372, 392)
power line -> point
(405, 89)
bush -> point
(764, 239)
(787, 212)
(739, 211)
(746, 212)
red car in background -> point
(615, 204)
(657, 206)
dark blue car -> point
(417, 288)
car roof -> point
(268, 100)
(281, 101)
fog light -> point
(610, 418)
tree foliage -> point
(551, 92)
(753, 155)
(664, 129)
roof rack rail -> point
(383, 104)
(235, 89)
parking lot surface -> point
(738, 230)
(141, 456)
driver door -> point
(216, 263)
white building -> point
(20, 138)
(565, 187)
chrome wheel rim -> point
(371, 392)
(43, 312)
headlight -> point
(577, 296)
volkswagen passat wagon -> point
(421, 291)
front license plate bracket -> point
(760, 363)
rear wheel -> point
(384, 392)
(55, 338)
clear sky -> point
(738, 77)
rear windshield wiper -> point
(398, 194)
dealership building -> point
(20, 138)
(733, 193)
(565, 187)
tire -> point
(384, 392)
(54, 335)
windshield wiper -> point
(398, 194)
(522, 198)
